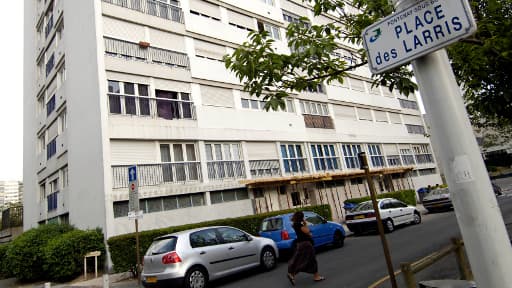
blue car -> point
(279, 228)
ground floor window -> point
(228, 195)
(158, 204)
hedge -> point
(123, 247)
(64, 255)
(24, 257)
(406, 196)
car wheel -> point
(389, 226)
(417, 218)
(338, 240)
(268, 258)
(196, 277)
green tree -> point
(271, 75)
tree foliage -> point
(481, 64)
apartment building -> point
(10, 192)
(114, 83)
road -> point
(360, 263)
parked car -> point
(393, 212)
(438, 199)
(194, 257)
(280, 229)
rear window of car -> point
(272, 224)
(363, 206)
(162, 245)
(439, 191)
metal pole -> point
(137, 252)
(478, 214)
(380, 227)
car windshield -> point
(162, 245)
(364, 206)
(439, 191)
(272, 224)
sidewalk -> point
(124, 280)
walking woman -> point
(303, 259)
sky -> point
(11, 79)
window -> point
(179, 162)
(317, 89)
(173, 105)
(228, 195)
(42, 191)
(415, 129)
(128, 98)
(65, 177)
(408, 104)
(293, 158)
(207, 237)
(407, 156)
(422, 154)
(49, 24)
(324, 157)
(52, 197)
(63, 122)
(293, 18)
(356, 181)
(375, 154)
(231, 235)
(268, 2)
(50, 105)
(50, 64)
(295, 198)
(314, 108)
(51, 148)
(224, 160)
(273, 31)
(350, 154)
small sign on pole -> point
(417, 30)
(133, 190)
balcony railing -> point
(424, 158)
(264, 168)
(156, 8)
(133, 51)
(219, 170)
(393, 160)
(153, 107)
(156, 174)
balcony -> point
(143, 106)
(221, 170)
(317, 121)
(152, 7)
(265, 168)
(157, 174)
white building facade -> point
(10, 192)
(114, 83)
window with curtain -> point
(173, 105)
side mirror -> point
(248, 238)
(324, 221)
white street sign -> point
(132, 215)
(417, 30)
(133, 189)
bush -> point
(4, 271)
(406, 196)
(24, 257)
(123, 252)
(64, 255)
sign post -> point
(420, 28)
(134, 211)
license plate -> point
(359, 217)
(151, 279)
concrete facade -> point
(114, 83)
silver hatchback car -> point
(191, 258)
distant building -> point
(10, 192)
(128, 82)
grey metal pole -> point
(477, 211)
(478, 214)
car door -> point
(387, 211)
(208, 249)
(242, 252)
(404, 212)
(318, 227)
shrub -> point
(123, 252)
(406, 196)
(64, 255)
(24, 257)
(4, 271)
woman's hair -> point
(298, 217)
